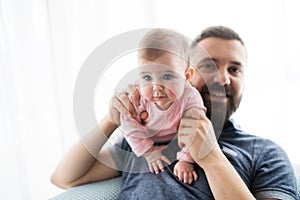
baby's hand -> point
(154, 160)
(185, 172)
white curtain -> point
(44, 43)
(30, 117)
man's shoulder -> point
(233, 131)
(239, 140)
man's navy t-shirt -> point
(262, 164)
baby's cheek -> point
(176, 92)
(146, 92)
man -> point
(238, 166)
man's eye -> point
(167, 76)
(207, 67)
(147, 78)
(235, 70)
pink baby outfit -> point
(161, 125)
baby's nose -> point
(157, 87)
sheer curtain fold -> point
(31, 136)
(13, 172)
(42, 47)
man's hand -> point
(197, 135)
(154, 159)
(120, 103)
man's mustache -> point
(217, 87)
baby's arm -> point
(184, 169)
(136, 136)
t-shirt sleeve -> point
(273, 174)
(125, 160)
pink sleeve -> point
(135, 134)
(185, 155)
(193, 99)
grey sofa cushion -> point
(108, 189)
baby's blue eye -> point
(167, 76)
(147, 78)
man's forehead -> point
(223, 50)
(217, 60)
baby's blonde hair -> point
(158, 42)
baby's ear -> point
(189, 73)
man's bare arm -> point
(80, 166)
(199, 137)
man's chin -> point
(218, 114)
(218, 99)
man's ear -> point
(189, 73)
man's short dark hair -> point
(222, 32)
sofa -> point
(109, 190)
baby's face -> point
(162, 81)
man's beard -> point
(219, 112)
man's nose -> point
(222, 77)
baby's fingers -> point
(155, 167)
(195, 175)
(175, 172)
(166, 160)
(180, 175)
(160, 165)
(188, 177)
(150, 168)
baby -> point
(166, 96)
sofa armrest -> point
(108, 189)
